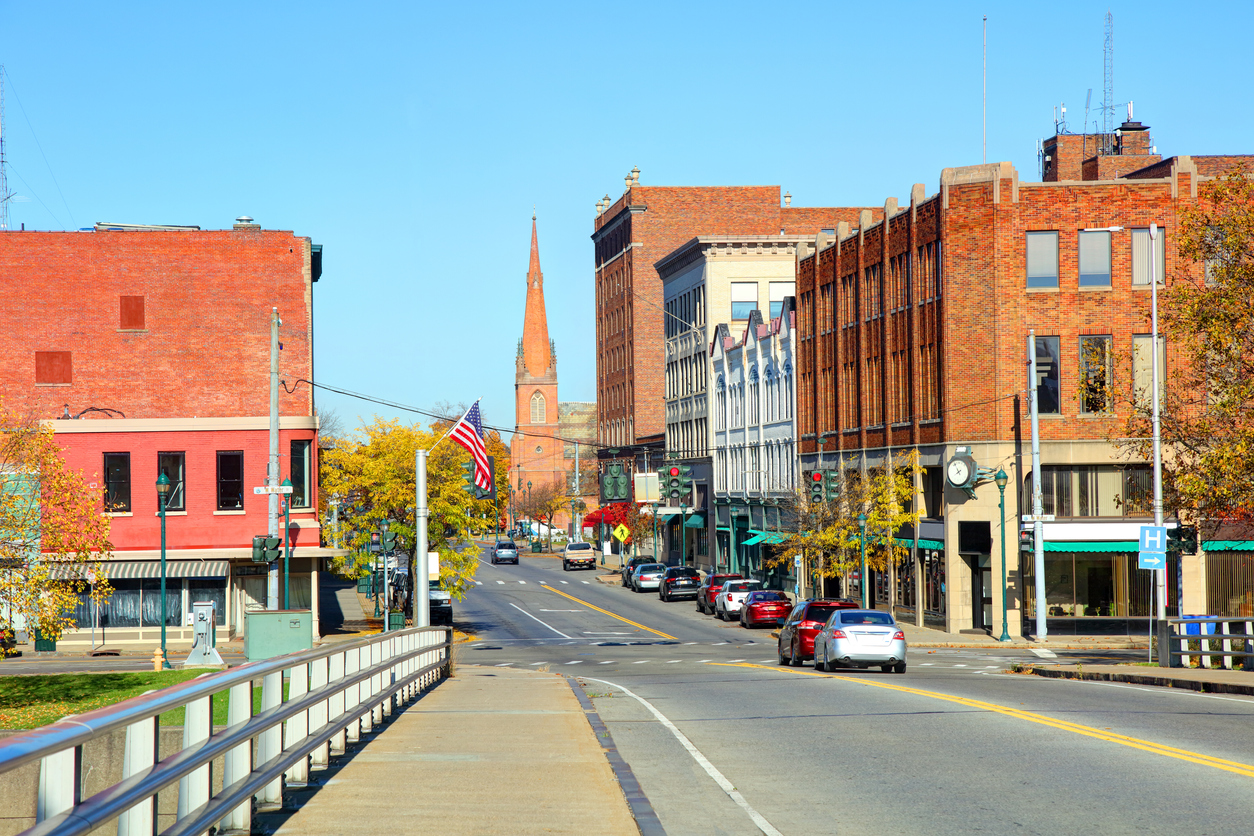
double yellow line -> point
(1075, 728)
(610, 614)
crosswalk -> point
(541, 583)
(770, 661)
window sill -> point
(170, 513)
(132, 330)
(42, 385)
(1041, 289)
(119, 514)
(1146, 286)
(1095, 288)
(229, 513)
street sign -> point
(622, 532)
(273, 489)
(1038, 518)
(1151, 560)
(647, 487)
(1153, 538)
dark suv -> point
(631, 565)
(679, 582)
(709, 588)
(796, 637)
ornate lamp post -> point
(163, 493)
(862, 543)
(381, 585)
(1001, 479)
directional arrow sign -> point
(1151, 560)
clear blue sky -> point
(413, 139)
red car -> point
(796, 637)
(709, 588)
(764, 606)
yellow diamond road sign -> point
(622, 532)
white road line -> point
(576, 662)
(542, 583)
(478, 583)
(522, 581)
(673, 661)
(703, 661)
(532, 664)
(503, 665)
(766, 661)
(957, 666)
(716, 644)
(642, 662)
(926, 664)
(687, 643)
(609, 662)
(529, 615)
(1043, 653)
(502, 583)
(586, 581)
(566, 582)
(988, 667)
(710, 769)
(730, 661)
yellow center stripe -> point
(610, 614)
(1075, 728)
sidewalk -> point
(492, 750)
(1205, 680)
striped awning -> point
(1091, 546)
(129, 569)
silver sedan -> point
(859, 639)
(647, 576)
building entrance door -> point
(981, 591)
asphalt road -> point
(724, 741)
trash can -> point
(396, 621)
(43, 645)
(363, 584)
(1199, 628)
(535, 546)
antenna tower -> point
(1108, 83)
(4, 165)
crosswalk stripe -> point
(502, 583)
(576, 662)
(522, 581)
(585, 581)
(566, 582)
(642, 662)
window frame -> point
(1160, 257)
(734, 301)
(1093, 279)
(1039, 281)
(117, 507)
(219, 482)
(1056, 374)
(1087, 369)
(177, 498)
(302, 484)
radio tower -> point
(1108, 84)
(4, 165)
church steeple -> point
(536, 357)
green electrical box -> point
(270, 633)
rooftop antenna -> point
(1108, 82)
(5, 196)
(984, 93)
(1085, 141)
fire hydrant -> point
(158, 659)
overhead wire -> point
(38, 145)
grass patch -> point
(27, 702)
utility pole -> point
(421, 584)
(574, 520)
(1156, 375)
(272, 469)
(1038, 531)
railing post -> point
(1205, 629)
(60, 783)
(1247, 627)
(270, 741)
(140, 755)
(376, 682)
(365, 690)
(1164, 644)
(352, 695)
(1180, 661)
(297, 728)
(197, 725)
(238, 762)
(389, 675)
(335, 703)
(1227, 631)
(318, 714)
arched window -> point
(537, 408)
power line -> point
(35, 136)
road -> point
(722, 740)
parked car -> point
(764, 606)
(647, 576)
(579, 554)
(710, 587)
(731, 595)
(796, 637)
(679, 582)
(859, 639)
(439, 603)
(630, 567)
(505, 551)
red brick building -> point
(913, 335)
(147, 349)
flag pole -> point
(454, 424)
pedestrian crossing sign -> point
(622, 532)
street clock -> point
(962, 470)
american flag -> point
(468, 432)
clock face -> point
(958, 472)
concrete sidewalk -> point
(1205, 680)
(490, 751)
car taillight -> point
(811, 625)
(899, 635)
(839, 634)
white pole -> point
(984, 95)
(1038, 532)
(421, 585)
(1155, 374)
(272, 468)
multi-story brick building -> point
(157, 340)
(913, 335)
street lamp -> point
(163, 493)
(1001, 479)
(862, 543)
(529, 513)
(381, 586)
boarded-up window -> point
(132, 313)
(53, 367)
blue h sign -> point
(1153, 538)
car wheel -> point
(795, 658)
(900, 667)
(887, 668)
(700, 606)
(819, 665)
(783, 660)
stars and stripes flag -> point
(468, 432)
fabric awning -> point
(723, 528)
(130, 569)
(664, 519)
(758, 536)
(1228, 545)
(1091, 546)
(775, 538)
(695, 521)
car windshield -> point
(649, 567)
(579, 547)
(820, 613)
(768, 596)
(505, 545)
(856, 617)
(739, 586)
(682, 572)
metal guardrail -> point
(334, 696)
(1173, 640)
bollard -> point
(158, 659)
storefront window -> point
(1095, 585)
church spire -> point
(537, 359)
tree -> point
(53, 534)
(543, 501)
(373, 473)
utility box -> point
(270, 633)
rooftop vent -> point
(245, 222)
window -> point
(230, 480)
(1095, 368)
(171, 464)
(302, 495)
(1142, 369)
(744, 299)
(779, 290)
(54, 368)
(1140, 257)
(1042, 259)
(117, 481)
(537, 408)
(1048, 392)
(131, 313)
(1094, 259)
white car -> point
(732, 596)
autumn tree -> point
(542, 502)
(53, 534)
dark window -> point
(230, 480)
(975, 536)
(1048, 393)
(54, 367)
(171, 464)
(302, 496)
(820, 613)
(131, 310)
(117, 480)
(1095, 366)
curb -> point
(1145, 679)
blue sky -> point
(412, 140)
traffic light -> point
(468, 475)
(831, 485)
(388, 542)
(375, 542)
(815, 479)
(614, 484)
(266, 549)
(685, 483)
(1183, 539)
(673, 486)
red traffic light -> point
(674, 471)
(816, 476)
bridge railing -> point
(335, 694)
(1224, 636)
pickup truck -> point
(579, 554)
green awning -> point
(695, 521)
(775, 538)
(663, 519)
(1092, 546)
(1228, 545)
(934, 545)
(758, 536)
(723, 528)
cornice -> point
(152, 425)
